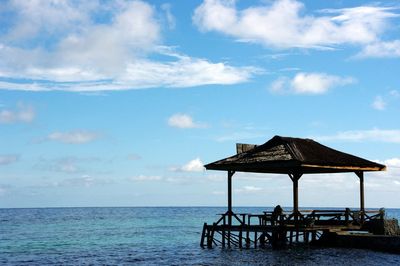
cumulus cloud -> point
(195, 165)
(360, 25)
(22, 114)
(73, 137)
(381, 135)
(309, 83)
(184, 121)
(381, 49)
(379, 103)
(60, 45)
(8, 158)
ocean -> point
(146, 236)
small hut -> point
(294, 157)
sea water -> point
(147, 236)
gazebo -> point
(294, 157)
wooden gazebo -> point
(294, 157)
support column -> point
(230, 174)
(295, 179)
(295, 195)
(361, 177)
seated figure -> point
(276, 214)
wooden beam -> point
(349, 168)
(360, 175)
(230, 174)
(295, 179)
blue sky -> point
(120, 103)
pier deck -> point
(260, 230)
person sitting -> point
(276, 214)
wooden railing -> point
(305, 217)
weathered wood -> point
(230, 174)
(240, 237)
(241, 147)
(279, 233)
(203, 233)
(223, 233)
(313, 236)
(285, 155)
(291, 237)
(212, 235)
(361, 177)
(295, 179)
(209, 242)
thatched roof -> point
(293, 155)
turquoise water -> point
(146, 236)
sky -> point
(121, 103)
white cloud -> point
(248, 189)
(145, 178)
(82, 181)
(183, 121)
(170, 18)
(73, 137)
(381, 49)
(8, 159)
(382, 135)
(309, 83)
(85, 55)
(379, 103)
(195, 165)
(328, 28)
(23, 114)
(394, 93)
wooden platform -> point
(261, 230)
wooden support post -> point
(230, 174)
(212, 234)
(223, 232)
(229, 237)
(229, 212)
(209, 243)
(203, 234)
(314, 235)
(248, 232)
(295, 179)
(362, 207)
(240, 237)
(255, 239)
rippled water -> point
(146, 236)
